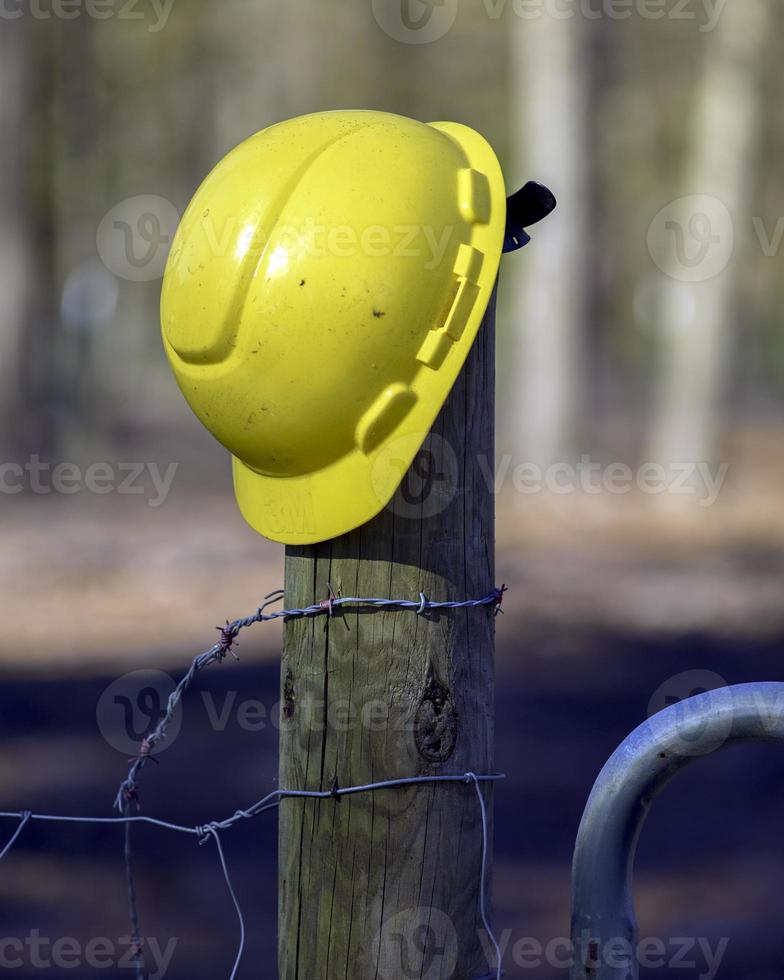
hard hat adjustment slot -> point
(461, 310)
(468, 264)
(434, 349)
(473, 196)
(384, 415)
(462, 299)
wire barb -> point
(145, 752)
(328, 605)
(228, 640)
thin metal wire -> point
(214, 833)
(483, 873)
(272, 801)
(115, 820)
(23, 819)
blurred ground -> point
(111, 580)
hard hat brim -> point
(316, 506)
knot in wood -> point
(435, 722)
(288, 695)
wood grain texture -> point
(385, 885)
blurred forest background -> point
(642, 326)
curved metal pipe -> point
(604, 929)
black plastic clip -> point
(530, 204)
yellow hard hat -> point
(322, 292)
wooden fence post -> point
(385, 885)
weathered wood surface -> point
(385, 885)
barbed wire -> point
(271, 801)
(127, 794)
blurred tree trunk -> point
(35, 418)
(253, 91)
(550, 126)
(15, 244)
(695, 318)
(74, 167)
